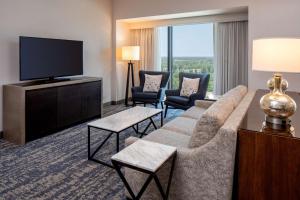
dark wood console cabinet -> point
(33, 110)
(267, 162)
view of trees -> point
(190, 65)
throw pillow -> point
(189, 86)
(152, 83)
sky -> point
(189, 40)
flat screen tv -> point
(42, 58)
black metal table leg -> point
(148, 125)
(161, 119)
(91, 156)
(153, 123)
(165, 194)
(118, 169)
(162, 193)
(89, 142)
(117, 142)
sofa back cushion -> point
(237, 93)
(215, 116)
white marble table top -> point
(145, 155)
(124, 119)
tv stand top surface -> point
(32, 85)
(47, 81)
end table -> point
(147, 157)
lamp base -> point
(277, 121)
(283, 129)
(277, 105)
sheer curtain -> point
(231, 55)
(145, 39)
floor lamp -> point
(130, 53)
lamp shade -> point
(131, 53)
(276, 55)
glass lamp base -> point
(276, 104)
(278, 121)
(282, 129)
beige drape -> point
(145, 39)
(231, 55)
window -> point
(163, 47)
(187, 48)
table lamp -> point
(277, 55)
(130, 53)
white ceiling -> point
(186, 15)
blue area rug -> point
(56, 167)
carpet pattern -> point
(56, 166)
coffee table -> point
(119, 122)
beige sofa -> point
(205, 136)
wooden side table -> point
(267, 162)
(147, 157)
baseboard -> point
(1, 134)
(113, 103)
(122, 101)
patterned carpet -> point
(56, 167)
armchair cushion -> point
(178, 100)
(136, 89)
(172, 93)
(189, 86)
(145, 95)
(152, 83)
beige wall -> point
(267, 18)
(87, 20)
(120, 67)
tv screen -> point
(48, 58)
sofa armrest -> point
(210, 165)
(203, 103)
(207, 166)
(172, 92)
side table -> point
(212, 97)
(147, 157)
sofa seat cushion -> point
(194, 112)
(167, 137)
(145, 95)
(178, 100)
(183, 125)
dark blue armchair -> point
(174, 100)
(154, 98)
